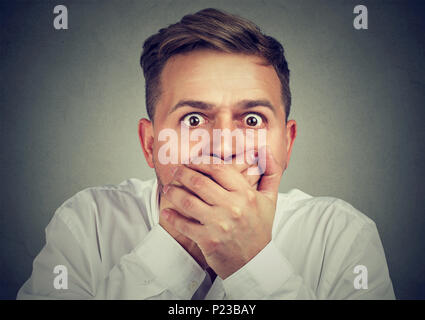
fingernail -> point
(165, 188)
(252, 157)
(195, 160)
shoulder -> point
(131, 187)
(124, 203)
(92, 197)
(320, 214)
(326, 230)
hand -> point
(225, 216)
(190, 246)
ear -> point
(291, 133)
(146, 140)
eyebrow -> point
(243, 104)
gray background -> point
(71, 100)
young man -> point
(209, 226)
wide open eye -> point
(253, 120)
(193, 120)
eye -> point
(253, 120)
(193, 120)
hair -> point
(215, 30)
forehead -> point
(219, 78)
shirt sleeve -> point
(269, 275)
(143, 273)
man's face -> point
(212, 90)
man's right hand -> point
(190, 246)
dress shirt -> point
(110, 242)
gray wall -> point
(70, 102)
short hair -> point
(210, 29)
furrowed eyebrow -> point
(192, 103)
(247, 104)
(244, 104)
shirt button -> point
(193, 285)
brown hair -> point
(215, 30)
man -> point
(211, 226)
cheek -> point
(277, 143)
(164, 172)
(163, 165)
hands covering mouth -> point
(225, 211)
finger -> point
(224, 174)
(247, 163)
(270, 181)
(187, 204)
(202, 186)
(251, 178)
(182, 224)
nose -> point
(227, 139)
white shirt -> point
(110, 242)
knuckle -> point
(251, 199)
(236, 212)
(187, 203)
(251, 196)
(171, 219)
(224, 226)
(179, 172)
(197, 181)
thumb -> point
(270, 180)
